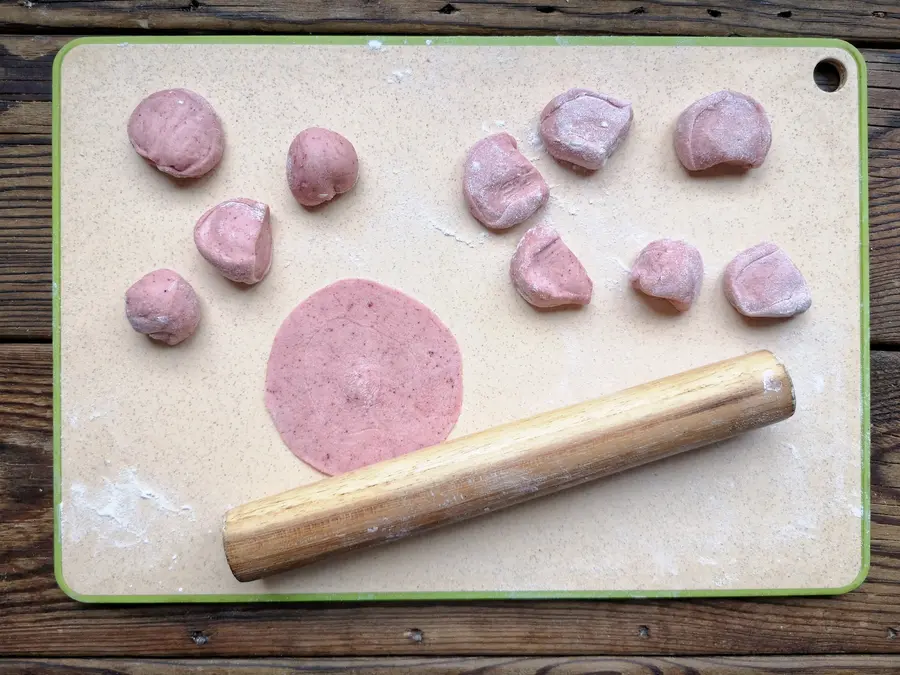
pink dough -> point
(723, 128)
(177, 131)
(584, 128)
(164, 306)
(763, 282)
(501, 187)
(546, 273)
(320, 165)
(235, 237)
(359, 373)
(671, 270)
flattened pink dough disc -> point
(762, 281)
(724, 128)
(235, 237)
(502, 188)
(671, 270)
(164, 306)
(545, 271)
(178, 131)
(359, 373)
(584, 128)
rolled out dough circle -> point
(359, 373)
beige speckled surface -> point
(158, 442)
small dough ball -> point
(584, 128)
(235, 237)
(671, 270)
(320, 165)
(501, 187)
(723, 128)
(763, 282)
(545, 271)
(178, 131)
(164, 306)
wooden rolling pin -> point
(506, 465)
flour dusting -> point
(770, 382)
(119, 512)
(471, 243)
(397, 76)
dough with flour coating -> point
(321, 164)
(235, 237)
(164, 306)
(723, 128)
(671, 270)
(763, 281)
(545, 271)
(502, 188)
(178, 132)
(584, 128)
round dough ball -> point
(584, 128)
(671, 270)
(545, 271)
(360, 373)
(320, 165)
(723, 128)
(164, 306)
(235, 237)
(502, 188)
(764, 282)
(178, 131)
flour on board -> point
(120, 512)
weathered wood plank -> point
(37, 619)
(869, 21)
(563, 665)
(25, 190)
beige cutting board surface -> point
(157, 443)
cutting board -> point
(153, 445)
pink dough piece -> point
(584, 128)
(763, 282)
(320, 165)
(359, 373)
(235, 237)
(671, 270)
(545, 271)
(723, 128)
(178, 131)
(501, 187)
(164, 306)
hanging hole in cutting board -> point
(829, 75)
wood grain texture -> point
(564, 665)
(25, 190)
(507, 465)
(36, 618)
(869, 21)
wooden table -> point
(40, 628)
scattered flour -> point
(119, 512)
(619, 263)
(471, 243)
(770, 383)
(491, 128)
(567, 206)
(397, 76)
